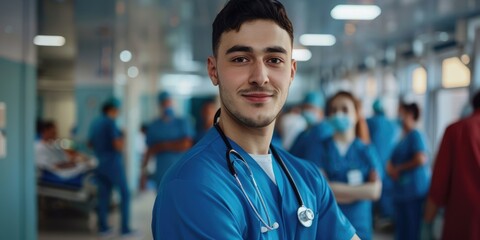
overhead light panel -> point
(317, 40)
(355, 12)
(125, 56)
(301, 55)
(132, 72)
(49, 40)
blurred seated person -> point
(56, 164)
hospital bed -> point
(79, 193)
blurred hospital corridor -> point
(76, 226)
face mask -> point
(340, 122)
(310, 116)
(168, 112)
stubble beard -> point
(250, 122)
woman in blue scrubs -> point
(410, 173)
(349, 164)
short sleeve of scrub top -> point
(415, 182)
(112, 131)
(374, 160)
(418, 143)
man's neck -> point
(252, 140)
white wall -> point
(59, 106)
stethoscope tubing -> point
(230, 151)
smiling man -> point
(233, 184)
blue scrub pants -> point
(385, 203)
(105, 186)
(408, 219)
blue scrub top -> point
(312, 136)
(414, 183)
(199, 199)
(103, 132)
(384, 134)
(163, 131)
(360, 157)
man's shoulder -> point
(204, 159)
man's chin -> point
(260, 122)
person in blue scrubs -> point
(207, 114)
(350, 165)
(318, 129)
(167, 138)
(384, 134)
(201, 197)
(410, 173)
(107, 142)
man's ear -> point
(293, 70)
(212, 70)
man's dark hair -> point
(45, 126)
(476, 100)
(237, 12)
(107, 107)
(413, 109)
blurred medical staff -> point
(410, 174)
(168, 137)
(456, 179)
(107, 143)
(317, 129)
(350, 165)
(291, 124)
(384, 135)
(207, 114)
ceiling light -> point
(317, 40)
(125, 56)
(50, 41)
(301, 55)
(355, 12)
(132, 72)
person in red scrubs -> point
(456, 179)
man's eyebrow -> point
(242, 48)
(276, 49)
(239, 48)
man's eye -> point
(239, 60)
(275, 60)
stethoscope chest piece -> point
(305, 216)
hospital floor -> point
(73, 227)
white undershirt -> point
(265, 162)
(342, 147)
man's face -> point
(253, 69)
(113, 113)
(50, 134)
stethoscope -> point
(305, 215)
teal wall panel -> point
(18, 218)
